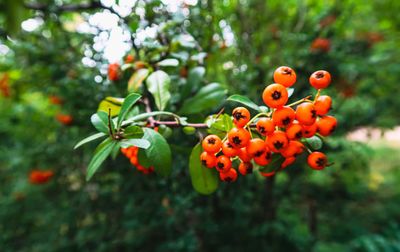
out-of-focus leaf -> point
(158, 85)
(168, 62)
(112, 103)
(137, 79)
(243, 100)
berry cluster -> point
(281, 131)
(38, 177)
(132, 154)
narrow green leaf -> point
(168, 62)
(100, 121)
(102, 151)
(129, 101)
(204, 180)
(89, 139)
(314, 142)
(158, 84)
(137, 79)
(147, 115)
(141, 143)
(133, 132)
(275, 164)
(243, 100)
(159, 152)
(208, 97)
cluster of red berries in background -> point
(280, 131)
(38, 177)
(65, 119)
(132, 154)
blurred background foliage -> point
(57, 49)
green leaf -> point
(222, 124)
(208, 97)
(112, 103)
(100, 121)
(89, 139)
(159, 152)
(275, 164)
(147, 115)
(133, 132)
(115, 151)
(204, 180)
(129, 101)
(141, 143)
(137, 79)
(185, 40)
(168, 62)
(102, 151)
(243, 100)
(195, 76)
(314, 142)
(158, 85)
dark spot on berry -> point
(220, 165)
(313, 113)
(204, 162)
(286, 121)
(228, 179)
(268, 155)
(236, 140)
(211, 140)
(278, 145)
(238, 116)
(261, 129)
(287, 71)
(258, 153)
(276, 95)
(298, 134)
(320, 162)
(319, 75)
(306, 132)
(229, 145)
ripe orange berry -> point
(321, 44)
(292, 149)
(317, 160)
(283, 117)
(245, 168)
(113, 71)
(40, 177)
(277, 141)
(285, 76)
(241, 116)
(124, 150)
(243, 155)
(229, 150)
(309, 131)
(294, 131)
(263, 159)
(256, 147)
(323, 104)
(212, 144)
(238, 137)
(65, 119)
(207, 159)
(275, 95)
(306, 113)
(134, 160)
(265, 126)
(129, 58)
(326, 125)
(287, 162)
(320, 79)
(55, 100)
(224, 164)
(229, 176)
(267, 174)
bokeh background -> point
(54, 56)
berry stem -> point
(300, 101)
(317, 95)
(255, 117)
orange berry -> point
(229, 176)
(294, 131)
(283, 117)
(267, 174)
(309, 131)
(40, 177)
(288, 161)
(245, 168)
(124, 151)
(317, 160)
(134, 160)
(265, 126)
(323, 104)
(256, 147)
(65, 119)
(320, 79)
(55, 100)
(326, 125)
(229, 150)
(113, 72)
(207, 159)
(241, 116)
(306, 113)
(277, 141)
(285, 76)
(243, 155)
(263, 159)
(238, 137)
(224, 164)
(292, 149)
(212, 144)
(129, 58)
(275, 95)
